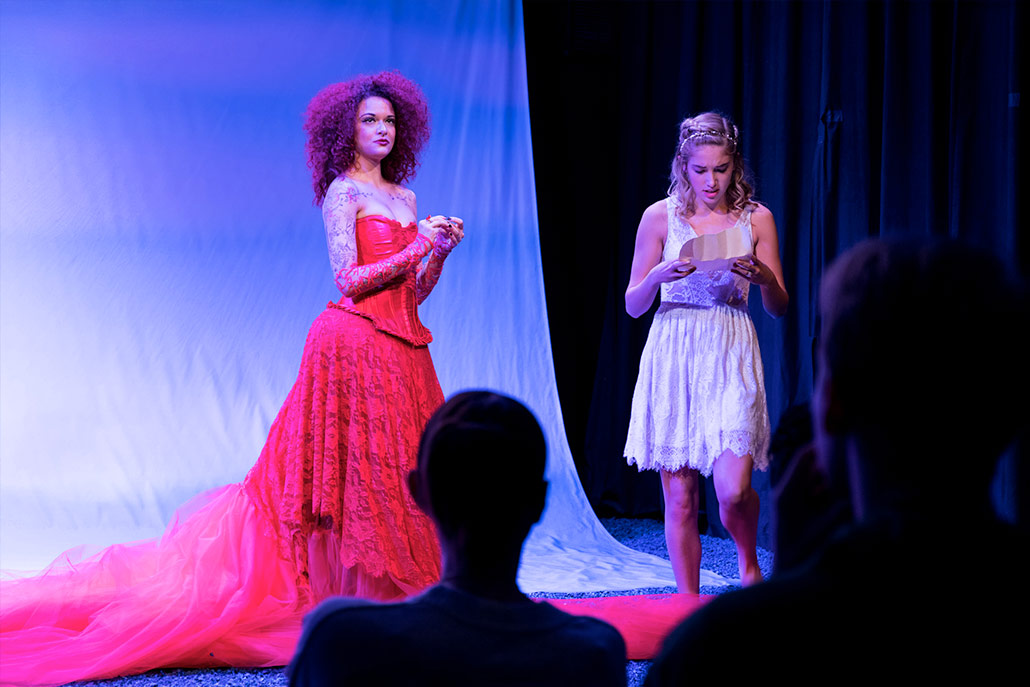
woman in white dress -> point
(699, 404)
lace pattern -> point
(332, 478)
(429, 275)
(704, 289)
(358, 279)
(384, 244)
(700, 389)
(338, 453)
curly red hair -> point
(330, 120)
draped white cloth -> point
(161, 259)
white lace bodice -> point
(707, 289)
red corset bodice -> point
(392, 307)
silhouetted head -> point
(920, 348)
(480, 468)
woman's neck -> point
(367, 171)
(701, 210)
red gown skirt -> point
(324, 511)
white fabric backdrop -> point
(161, 260)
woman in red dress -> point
(332, 475)
(325, 510)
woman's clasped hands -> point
(444, 232)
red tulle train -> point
(324, 511)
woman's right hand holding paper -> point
(670, 270)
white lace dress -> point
(700, 389)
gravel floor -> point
(643, 534)
(717, 555)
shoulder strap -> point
(749, 234)
(678, 228)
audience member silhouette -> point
(919, 355)
(480, 477)
(807, 510)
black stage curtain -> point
(858, 119)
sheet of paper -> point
(712, 252)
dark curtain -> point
(858, 119)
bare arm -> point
(648, 271)
(765, 269)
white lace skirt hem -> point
(700, 392)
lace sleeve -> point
(430, 272)
(339, 212)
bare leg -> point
(682, 494)
(738, 510)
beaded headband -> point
(694, 133)
(702, 133)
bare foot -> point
(750, 575)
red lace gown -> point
(325, 510)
